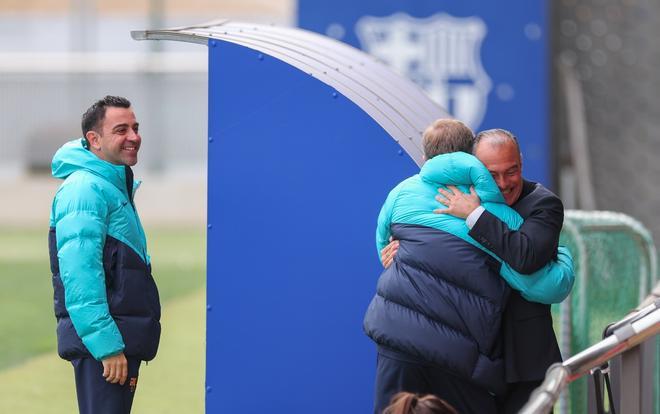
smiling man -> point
(530, 344)
(106, 301)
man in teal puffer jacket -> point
(106, 300)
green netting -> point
(615, 261)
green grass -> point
(27, 323)
(172, 383)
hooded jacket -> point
(413, 202)
(105, 297)
(441, 301)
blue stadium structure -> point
(307, 135)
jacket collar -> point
(73, 156)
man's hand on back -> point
(388, 252)
(115, 369)
(458, 204)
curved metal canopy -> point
(394, 102)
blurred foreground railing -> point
(622, 337)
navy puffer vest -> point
(441, 301)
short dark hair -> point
(447, 135)
(498, 137)
(92, 118)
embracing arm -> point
(533, 245)
(532, 261)
(550, 284)
(385, 219)
(528, 248)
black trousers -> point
(396, 374)
(516, 396)
(96, 395)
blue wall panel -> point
(297, 175)
(513, 55)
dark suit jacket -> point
(530, 345)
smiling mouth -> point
(130, 149)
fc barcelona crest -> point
(441, 53)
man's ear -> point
(94, 140)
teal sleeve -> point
(550, 284)
(81, 230)
(385, 219)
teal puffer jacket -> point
(106, 300)
(413, 202)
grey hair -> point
(497, 137)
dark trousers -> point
(394, 375)
(96, 395)
(516, 396)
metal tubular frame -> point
(634, 329)
(395, 103)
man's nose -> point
(134, 136)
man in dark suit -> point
(530, 345)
